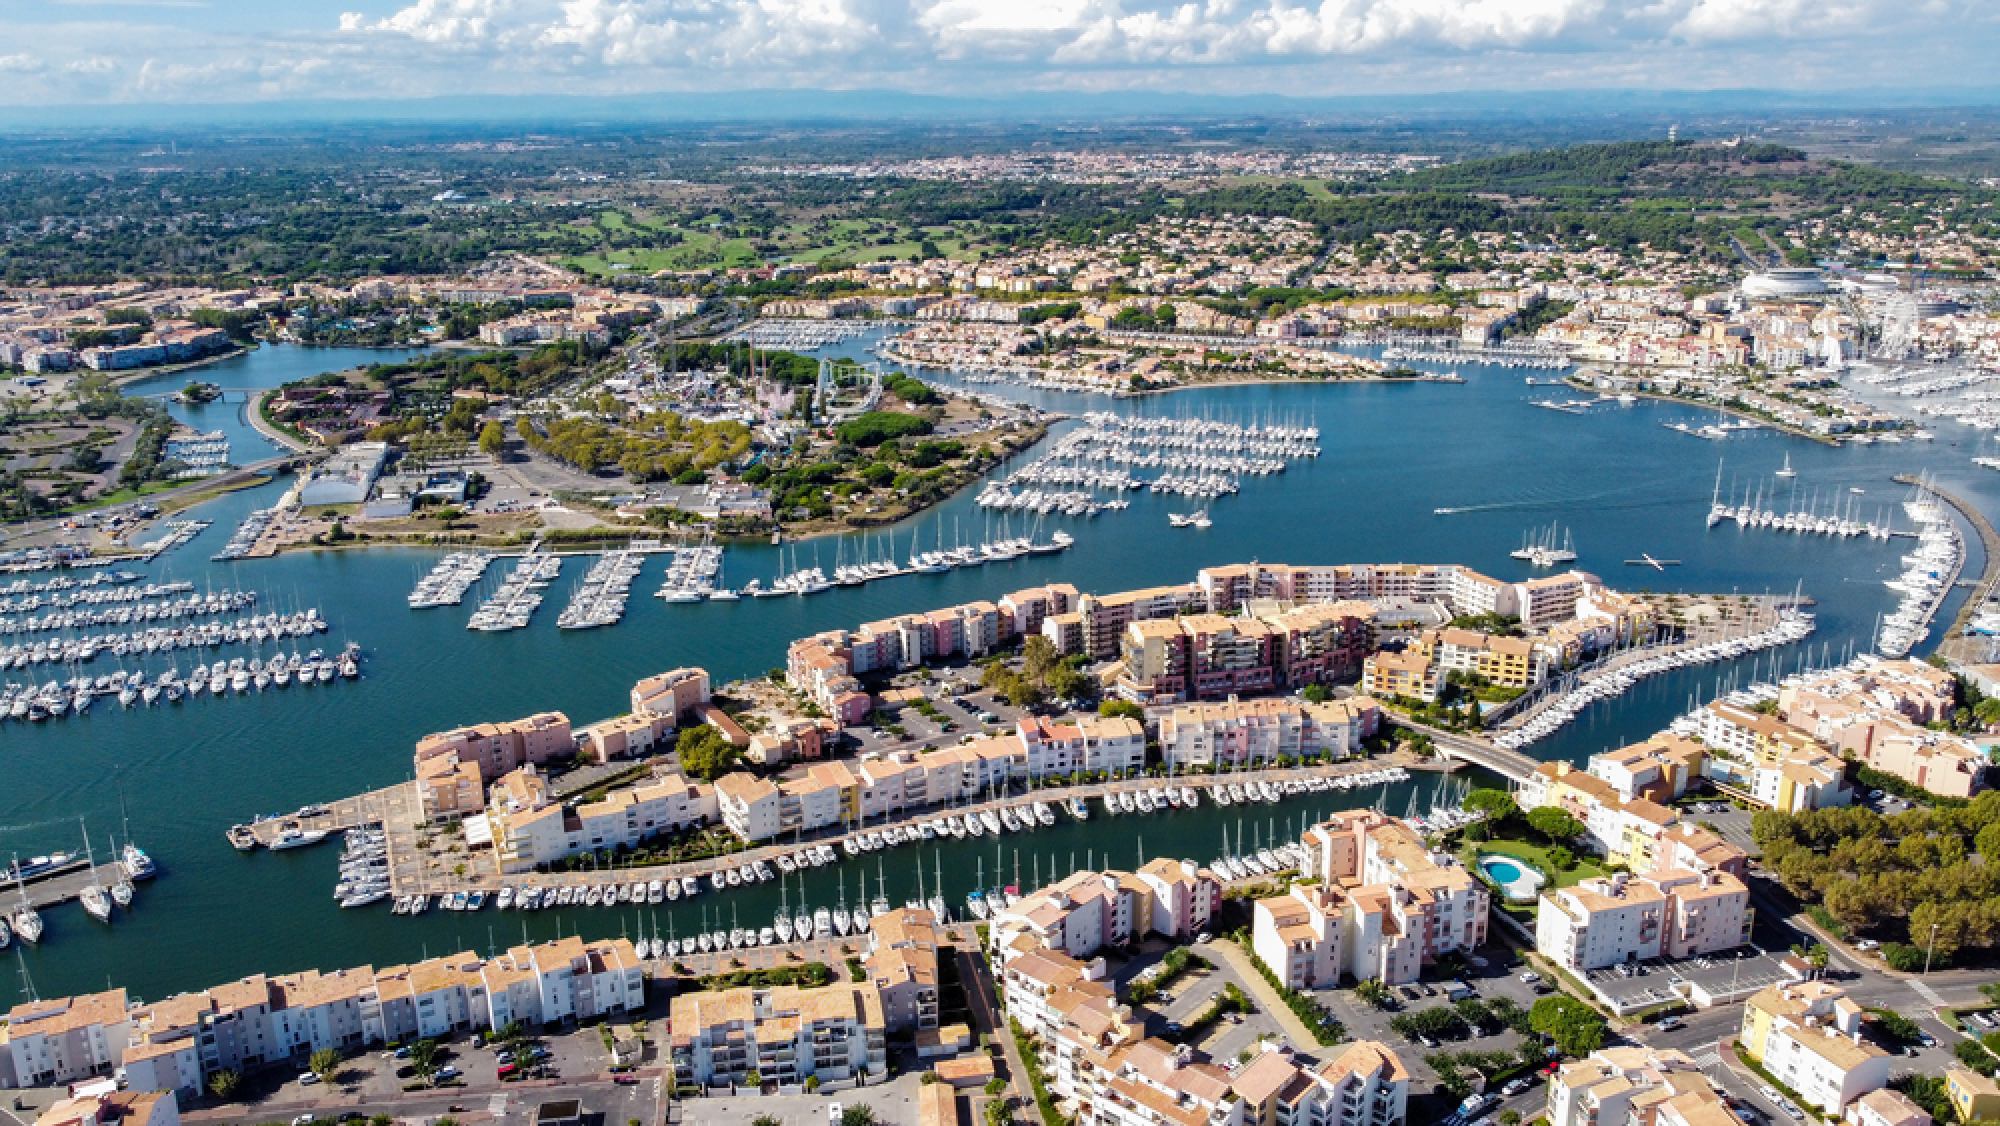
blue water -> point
(1621, 482)
(1504, 870)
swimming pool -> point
(1517, 880)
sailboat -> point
(93, 898)
(936, 902)
(1787, 471)
(27, 921)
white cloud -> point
(414, 48)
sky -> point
(151, 52)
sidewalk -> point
(1302, 1037)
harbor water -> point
(1392, 457)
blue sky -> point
(59, 52)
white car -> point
(833, 1114)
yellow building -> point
(1973, 1095)
(1400, 674)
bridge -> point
(1453, 747)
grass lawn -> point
(1536, 855)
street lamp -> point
(1735, 973)
(1931, 949)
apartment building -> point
(1042, 987)
(902, 964)
(1383, 906)
(527, 828)
(496, 749)
(1974, 1096)
(1299, 938)
(1112, 743)
(1509, 662)
(1808, 1035)
(1638, 1086)
(557, 982)
(1240, 733)
(1551, 599)
(671, 694)
(1408, 674)
(1365, 1085)
(1024, 611)
(1627, 918)
(1152, 1083)
(1887, 1107)
(63, 1039)
(1879, 715)
(1077, 915)
(1153, 659)
(1184, 897)
(1768, 761)
(435, 998)
(836, 1034)
(1236, 734)
(177, 1043)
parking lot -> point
(1227, 1039)
(1635, 986)
(894, 1104)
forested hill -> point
(1649, 166)
(1670, 195)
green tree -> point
(859, 1114)
(492, 438)
(1555, 824)
(1316, 694)
(1496, 804)
(706, 753)
(225, 1083)
(424, 1060)
(325, 1063)
(1122, 709)
(765, 1120)
(1038, 656)
(1576, 1028)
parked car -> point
(1530, 977)
(833, 1114)
(307, 1078)
(1668, 1024)
(1515, 1086)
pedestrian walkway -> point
(1925, 991)
(1267, 997)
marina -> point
(518, 596)
(1559, 702)
(1622, 485)
(1932, 571)
(448, 581)
(1205, 459)
(203, 455)
(599, 600)
(236, 677)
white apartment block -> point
(1637, 1086)
(1808, 1036)
(63, 1039)
(787, 1035)
(1384, 906)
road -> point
(981, 994)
